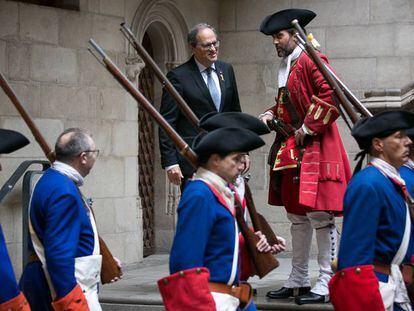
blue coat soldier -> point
(10, 296)
(377, 236)
(205, 252)
(65, 262)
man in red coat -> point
(309, 166)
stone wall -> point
(368, 43)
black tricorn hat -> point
(225, 141)
(410, 133)
(283, 20)
(215, 120)
(381, 125)
(11, 141)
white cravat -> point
(285, 64)
(68, 171)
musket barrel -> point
(328, 77)
(161, 77)
(143, 101)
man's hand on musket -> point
(265, 117)
(280, 247)
(174, 175)
(300, 137)
(262, 246)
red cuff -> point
(74, 301)
(319, 116)
(357, 289)
(187, 290)
(18, 303)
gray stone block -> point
(251, 13)
(18, 60)
(341, 41)
(105, 31)
(111, 7)
(67, 102)
(392, 72)
(207, 11)
(29, 96)
(249, 78)
(389, 11)
(126, 214)
(131, 176)
(227, 17)
(112, 104)
(9, 17)
(92, 73)
(256, 104)
(404, 40)
(94, 6)
(239, 47)
(104, 210)
(356, 73)
(258, 179)
(131, 108)
(53, 64)
(39, 23)
(75, 29)
(125, 138)
(333, 12)
(106, 179)
(116, 244)
(133, 246)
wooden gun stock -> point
(110, 268)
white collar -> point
(410, 164)
(285, 64)
(68, 171)
(387, 169)
(201, 67)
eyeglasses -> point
(208, 46)
(92, 151)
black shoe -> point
(285, 292)
(311, 298)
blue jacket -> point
(408, 175)
(205, 235)
(61, 222)
(8, 288)
(374, 221)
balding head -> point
(71, 143)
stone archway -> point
(163, 24)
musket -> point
(311, 51)
(110, 268)
(260, 224)
(263, 262)
(161, 77)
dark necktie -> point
(213, 89)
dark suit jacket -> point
(188, 81)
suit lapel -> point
(219, 70)
(196, 74)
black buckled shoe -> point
(311, 298)
(285, 292)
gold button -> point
(342, 273)
(181, 273)
(165, 281)
(358, 270)
(198, 270)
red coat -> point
(324, 171)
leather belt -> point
(33, 258)
(407, 271)
(243, 291)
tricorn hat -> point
(11, 141)
(381, 125)
(283, 20)
(225, 141)
(215, 120)
(410, 133)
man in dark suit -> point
(205, 90)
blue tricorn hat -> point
(11, 141)
(215, 120)
(282, 20)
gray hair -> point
(192, 34)
(77, 142)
